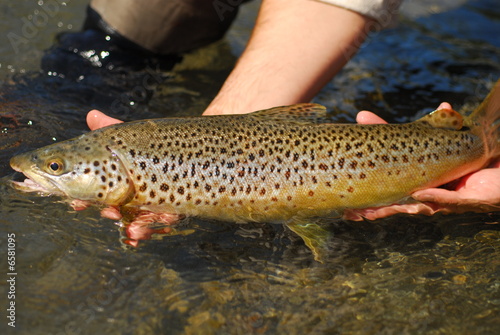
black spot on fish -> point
(341, 162)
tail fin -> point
(486, 119)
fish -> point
(286, 164)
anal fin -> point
(313, 235)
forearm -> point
(296, 47)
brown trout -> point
(284, 164)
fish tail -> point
(485, 120)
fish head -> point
(79, 168)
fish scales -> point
(245, 169)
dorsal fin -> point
(299, 113)
(444, 118)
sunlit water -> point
(400, 275)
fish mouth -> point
(32, 183)
(29, 185)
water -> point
(399, 275)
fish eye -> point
(55, 166)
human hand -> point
(97, 119)
(476, 192)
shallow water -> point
(400, 275)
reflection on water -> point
(401, 275)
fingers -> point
(381, 212)
(80, 205)
(97, 119)
(365, 117)
(112, 213)
(444, 105)
(438, 195)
